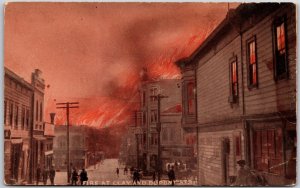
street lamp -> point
(158, 129)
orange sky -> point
(88, 51)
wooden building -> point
(24, 128)
(244, 76)
(17, 126)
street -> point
(105, 174)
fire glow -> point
(117, 108)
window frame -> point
(277, 22)
(233, 98)
(192, 97)
(270, 152)
(248, 42)
(153, 114)
(154, 92)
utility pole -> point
(158, 129)
(67, 106)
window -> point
(27, 119)
(5, 108)
(23, 118)
(37, 111)
(153, 116)
(154, 139)
(144, 118)
(11, 108)
(280, 60)
(41, 111)
(144, 138)
(191, 98)
(237, 146)
(268, 155)
(154, 92)
(17, 117)
(233, 81)
(144, 98)
(252, 63)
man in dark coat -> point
(136, 176)
(74, 177)
(52, 175)
(154, 176)
(171, 175)
(38, 174)
(83, 176)
(118, 171)
(45, 176)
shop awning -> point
(49, 152)
(16, 141)
(39, 137)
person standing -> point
(171, 175)
(52, 175)
(83, 176)
(118, 171)
(45, 176)
(38, 174)
(154, 176)
(74, 177)
(136, 177)
(125, 170)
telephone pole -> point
(158, 129)
(67, 106)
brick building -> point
(245, 80)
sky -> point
(93, 52)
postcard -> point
(148, 93)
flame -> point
(118, 107)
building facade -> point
(78, 147)
(173, 147)
(23, 127)
(245, 80)
(17, 127)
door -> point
(225, 150)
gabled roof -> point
(234, 17)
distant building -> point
(173, 145)
(78, 149)
(244, 74)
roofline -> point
(16, 77)
(226, 21)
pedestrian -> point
(74, 177)
(83, 176)
(117, 171)
(136, 177)
(52, 175)
(45, 175)
(171, 175)
(154, 176)
(38, 174)
(125, 170)
(131, 170)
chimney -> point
(52, 116)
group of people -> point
(42, 174)
(83, 177)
